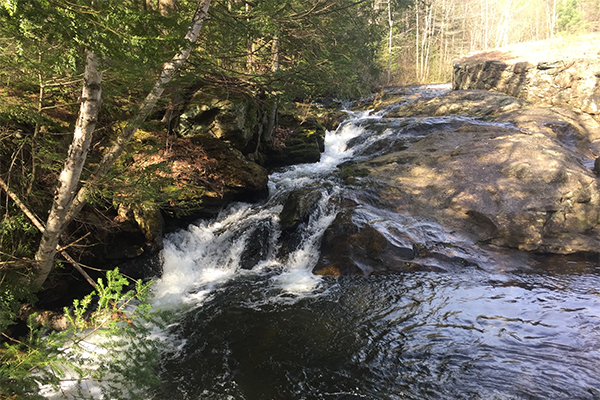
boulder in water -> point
(350, 247)
(519, 188)
(296, 212)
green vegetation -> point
(113, 320)
(268, 51)
(570, 17)
(274, 50)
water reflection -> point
(467, 335)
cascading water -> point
(251, 321)
(257, 324)
(208, 254)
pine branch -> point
(168, 72)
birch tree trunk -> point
(275, 54)
(429, 36)
(417, 42)
(69, 176)
(391, 25)
(168, 72)
(553, 20)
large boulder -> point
(553, 72)
(254, 125)
(230, 177)
(167, 183)
(295, 214)
(243, 121)
(295, 142)
(499, 184)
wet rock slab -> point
(515, 186)
(520, 177)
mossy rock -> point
(234, 120)
(296, 142)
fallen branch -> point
(13, 265)
(60, 249)
(32, 217)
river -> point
(252, 322)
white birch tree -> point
(69, 177)
(68, 202)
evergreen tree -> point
(569, 17)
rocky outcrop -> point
(234, 177)
(256, 127)
(520, 177)
(218, 154)
(183, 179)
(572, 83)
(243, 121)
(499, 185)
(295, 142)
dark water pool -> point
(427, 335)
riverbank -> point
(559, 72)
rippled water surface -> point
(468, 335)
(491, 326)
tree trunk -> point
(391, 25)
(169, 71)
(69, 176)
(275, 54)
(250, 60)
(417, 42)
(38, 122)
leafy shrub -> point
(107, 343)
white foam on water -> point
(199, 259)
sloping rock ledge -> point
(520, 178)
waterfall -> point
(209, 253)
(251, 321)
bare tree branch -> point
(169, 71)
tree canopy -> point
(51, 49)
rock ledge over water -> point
(524, 184)
(520, 178)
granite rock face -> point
(483, 165)
(572, 83)
(499, 185)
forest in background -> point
(289, 50)
(429, 34)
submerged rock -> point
(256, 246)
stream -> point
(252, 322)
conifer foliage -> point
(83, 75)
